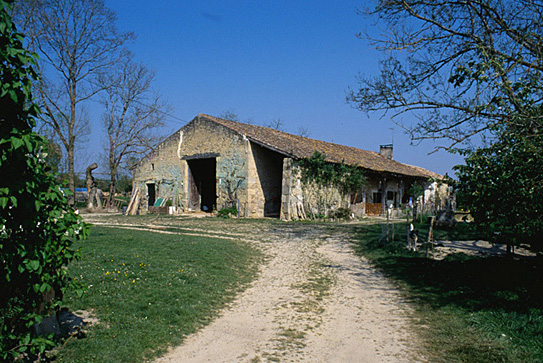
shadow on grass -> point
(500, 297)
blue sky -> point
(266, 60)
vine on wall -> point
(324, 181)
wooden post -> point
(383, 195)
(407, 227)
(392, 231)
(430, 236)
(387, 223)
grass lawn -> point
(151, 290)
(470, 309)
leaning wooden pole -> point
(430, 236)
(387, 225)
(408, 228)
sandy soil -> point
(313, 301)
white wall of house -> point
(436, 196)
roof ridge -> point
(303, 147)
(290, 134)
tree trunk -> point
(112, 186)
(112, 190)
(71, 174)
(112, 176)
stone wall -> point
(265, 181)
(248, 175)
(320, 201)
(204, 138)
(436, 197)
(302, 201)
(167, 168)
(292, 199)
(257, 180)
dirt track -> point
(314, 301)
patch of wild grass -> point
(470, 309)
(151, 290)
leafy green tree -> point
(467, 68)
(124, 184)
(36, 227)
(54, 155)
(502, 184)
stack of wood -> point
(133, 206)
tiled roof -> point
(304, 147)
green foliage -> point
(124, 184)
(415, 190)
(54, 155)
(323, 180)
(227, 212)
(347, 178)
(36, 228)
(340, 213)
(502, 185)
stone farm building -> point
(212, 163)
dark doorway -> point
(202, 184)
(269, 166)
(151, 192)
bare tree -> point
(229, 115)
(303, 131)
(76, 41)
(461, 67)
(276, 124)
(133, 114)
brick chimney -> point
(386, 151)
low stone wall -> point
(358, 209)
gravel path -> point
(313, 301)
